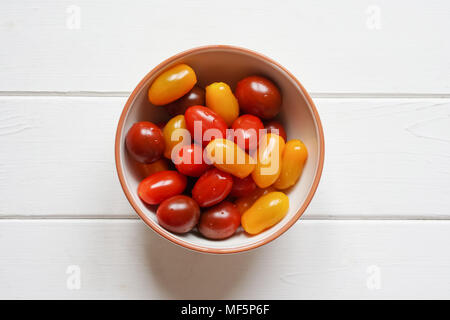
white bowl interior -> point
(230, 65)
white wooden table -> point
(378, 227)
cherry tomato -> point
(178, 214)
(292, 162)
(272, 126)
(268, 168)
(221, 99)
(227, 156)
(161, 186)
(144, 170)
(258, 96)
(172, 84)
(195, 97)
(145, 142)
(190, 161)
(246, 201)
(204, 124)
(175, 133)
(265, 212)
(246, 131)
(242, 187)
(212, 187)
(220, 221)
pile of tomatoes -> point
(202, 176)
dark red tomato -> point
(212, 187)
(191, 162)
(246, 131)
(210, 124)
(275, 125)
(161, 186)
(195, 97)
(178, 214)
(258, 96)
(242, 187)
(220, 221)
(145, 142)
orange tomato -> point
(267, 211)
(227, 156)
(175, 132)
(172, 84)
(221, 99)
(292, 162)
(268, 165)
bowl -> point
(228, 64)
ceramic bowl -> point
(228, 64)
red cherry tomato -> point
(275, 125)
(161, 186)
(211, 125)
(246, 131)
(220, 221)
(195, 97)
(145, 142)
(212, 187)
(258, 96)
(242, 187)
(190, 161)
(178, 214)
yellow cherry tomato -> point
(265, 212)
(221, 99)
(268, 165)
(292, 162)
(172, 84)
(173, 133)
(227, 156)
(245, 202)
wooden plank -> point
(58, 157)
(384, 158)
(122, 259)
(356, 46)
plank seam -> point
(96, 217)
(334, 95)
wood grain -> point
(356, 46)
(385, 158)
(315, 259)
